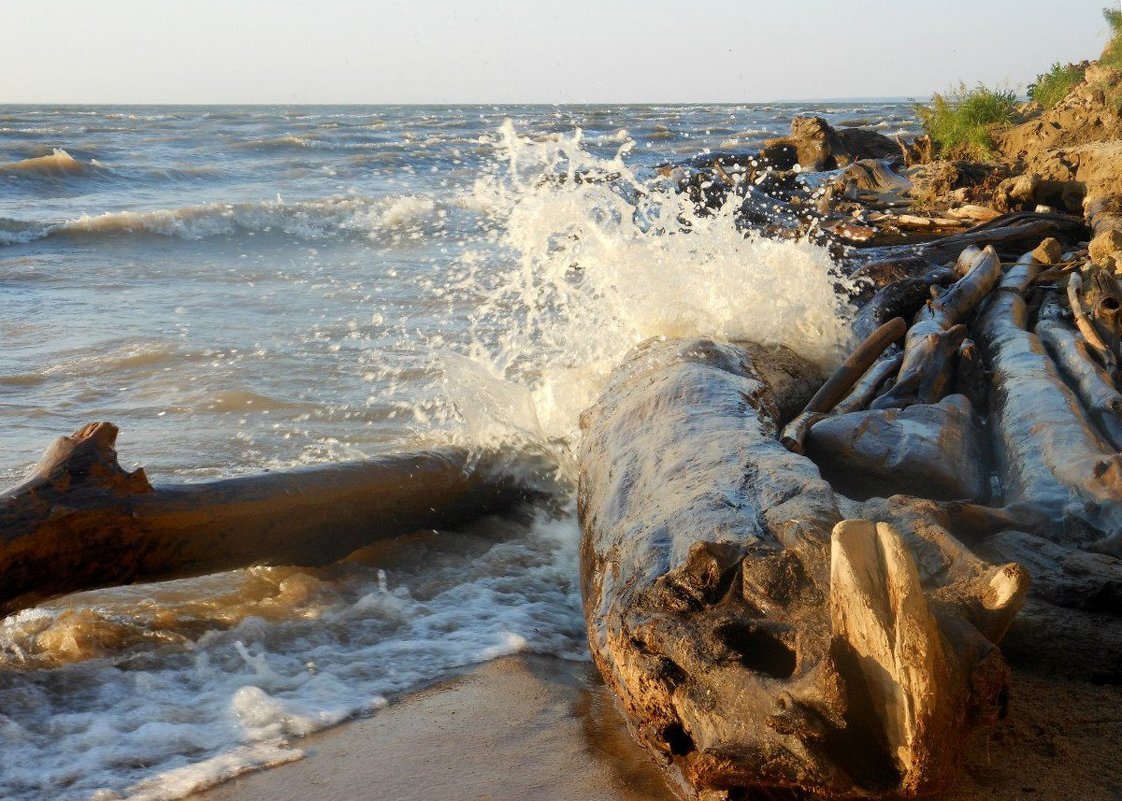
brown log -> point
(81, 521)
(1105, 300)
(1047, 451)
(1074, 297)
(757, 643)
(842, 380)
(1092, 384)
(933, 341)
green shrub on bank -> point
(960, 121)
(1053, 86)
(1112, 54)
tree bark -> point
(82, 522)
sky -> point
(528, 51)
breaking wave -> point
(58, 162)
(314, 219)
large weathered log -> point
(931, 347)
(81, 521)
(756, 642)
(1105, 300)
(1060, 575)
(1047, 451)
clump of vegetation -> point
(1112, 53)
(961, 121)
(1053, 86)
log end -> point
(908, 677)
(86, 459)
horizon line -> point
(453, 104)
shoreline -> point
(532, 726)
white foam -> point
(285, 653)
(585, 260)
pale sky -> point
(527, 51)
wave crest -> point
(58, 162)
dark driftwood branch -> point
(932, 344)
(81, 521)
(1091, 382)
(843, 379)
(757, 643)
(1010, 233)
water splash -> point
(583, 258)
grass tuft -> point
(1112, 53)
(1053, 86)
(960, 122)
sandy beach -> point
(531, 727)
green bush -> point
(1112, 54)
(960, 121)
(1053, 86)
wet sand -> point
(540, 728)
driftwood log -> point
(81, 521)
(930, 450)
(1009, 234)
(1048, 453)
(761, 646)
(1092, 384)
(932, 344)
(839, 384)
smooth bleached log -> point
(707, 557)
(81, 521)
(930, 450)
(883, 627)
(932, 343)
(1048, 453)
(1091, 382)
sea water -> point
(248, 288)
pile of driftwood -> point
(810, 602)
